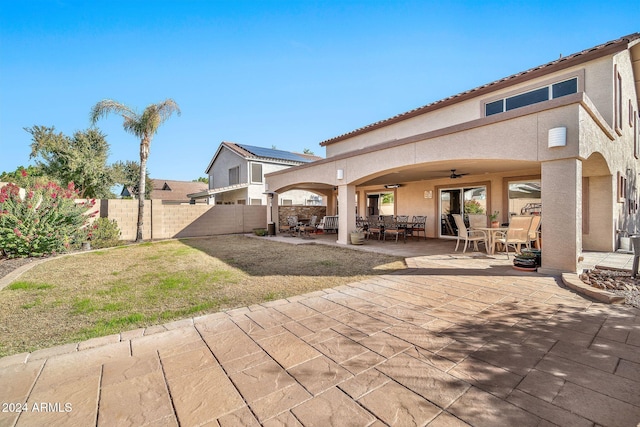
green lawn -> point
(74, 298)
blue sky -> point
(288, 74)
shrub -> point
(103, 233)
(44, 220)
(473, 207)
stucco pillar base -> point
(346, 212)
(561, 215)
(551, 271)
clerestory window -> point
(545, 93)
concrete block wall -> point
(125, 212)
(164, 221)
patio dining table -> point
(491, 235)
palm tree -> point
(144, 126)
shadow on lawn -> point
(258, 257)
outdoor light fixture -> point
(392, 186)
(558, 137)
(340, 174)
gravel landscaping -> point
(618, 282)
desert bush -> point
(103, 233)
(44, 220)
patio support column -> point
(272, 211)
(346, 212)
(561, 215)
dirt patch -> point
(7, 265)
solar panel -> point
(274, 154)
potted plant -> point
(357, 236)
(526, 261)
(260, 231)
(494, 219)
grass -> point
(74, 298)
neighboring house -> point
(236, 176)
(170, 190)
(562, 139)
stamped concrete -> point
(453, 340)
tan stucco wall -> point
(600, 235)
(594, 79)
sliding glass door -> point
(460, 200)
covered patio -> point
(428, 174)
(441, 251)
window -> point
(460, 201)
(286, 202)
(617, 101)
(532, 97)
(622, 187)
(636, 137)
(553, 91)
(256, 173)
(256, 202)
(241, 202)
(234, 175)
(564, 88)
(211, 187)
(525, 197)
(494, 107)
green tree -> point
(80, 159)
(307, 151)
(24, 177)
(143, 126)
(204, 179)
(128, 174)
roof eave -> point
(550, 67)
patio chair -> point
(293, 224)
(393, 228)
(447, 227)
(362, 224)
(286, 227)
(375, 226)
(419, 225)
(517, 234)
(403, 222)
(467, 235)
(477, 221)
(311, 227)
(534, 231)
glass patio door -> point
(460, 200)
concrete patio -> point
(453, 340)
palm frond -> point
(156, 114)
(107, 106)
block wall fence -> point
(165, 221)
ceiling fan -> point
(455, 175)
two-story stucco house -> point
(236, 176)
(562, 137)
